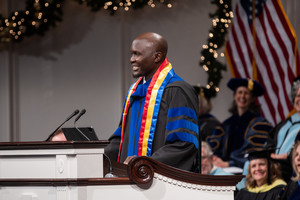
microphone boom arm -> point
(68, 118)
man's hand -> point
(58, 136)
(218, 162)
(279, 156)
(128, 159)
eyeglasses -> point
(204, 157)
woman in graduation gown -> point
(245, 130)
(263, 181)
(292, 191)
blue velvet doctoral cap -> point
(255, 87)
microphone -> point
(82, 112)
(110, 173)
(68, 118)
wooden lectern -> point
(76, 171)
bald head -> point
(159, 43)
(148, 52)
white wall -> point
(84, 63)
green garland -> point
(114, 5)
(40, 15)
(221, 20)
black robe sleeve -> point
(176, 151)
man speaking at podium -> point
(159, 116)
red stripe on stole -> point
(146, 105)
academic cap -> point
(255, 87)
(262, 154)
(259, 154)
(203, 91)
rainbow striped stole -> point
(151, 108)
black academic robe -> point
(291, 192)
(290, 131)
(242, 134)
(272, 194)
(208, 123)
(175, 147)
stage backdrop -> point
(84, 63)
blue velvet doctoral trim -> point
(136, 111)
(175, 112)
(175, 78)
(182, 123)
(182, 136)
(118, 131)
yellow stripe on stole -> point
(155, 89)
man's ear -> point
(158, 57)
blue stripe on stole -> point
(118, 131)
(134, 132)
(156, 110)
(182, 136)
(183, 123)
(175, 112)
(138, 129)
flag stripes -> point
(267, 42)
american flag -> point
(262, 45)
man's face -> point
(142, 58)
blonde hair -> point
(297, 174)
(274, 174)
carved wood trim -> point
(141, 170)
(66, 182)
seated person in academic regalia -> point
(207, 166)
(263, 181)
(286, 133)
(292, 191)
(245, 130)
(207, 122)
